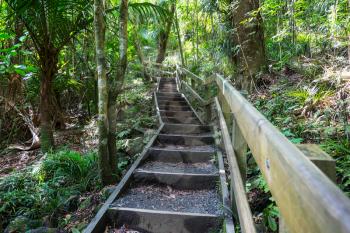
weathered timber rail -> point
(308, 200)
(178, 184)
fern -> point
(143, 12)
(52, 22)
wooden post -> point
(225, 110)
(207, 109)
(238, 143)
(240, 147)
(193, 83)
(323, 161)
(208, 106)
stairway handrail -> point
(181, 70)
(308, 200)
(244, 213)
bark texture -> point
(164, 36)
(103, 122)
(249, 38)
(183, 63)
(117, 83)
(48, 65)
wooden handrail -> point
(192, 75)
(195, 77)
(159, 70)
(167, 66)
(195, 94)
(244, 212)
(307, 199)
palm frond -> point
(143, 12)
(52, 22)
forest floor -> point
(61, 191)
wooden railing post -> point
(208, 106)
(240, 147)
(323, 161)
(225, 110)
(193, 83)
(238, 141)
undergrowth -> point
(44, 192)
(63, 190)
(309, 111)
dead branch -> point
(32, 144)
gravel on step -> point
(206, 148)
(197, 168)
(158, 197)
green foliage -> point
(286, 106)
(271, 213)
(45, 189)
(69, 168)
(303, 28)
(53, 21)
(143, 12)
(7, 54)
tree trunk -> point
(349, 34)
(164, 36)
(100, 32)
(179, 40)
(117, 83)
(139, 52)
(48, 60)
(249, 37)
(197, 32)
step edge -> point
(190, 214)
(214, 175)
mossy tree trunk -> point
(103, 122)
(48, 65)
(249, 40)
(117, 83)
(164, 36)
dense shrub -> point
(47, 189)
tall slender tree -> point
(116, 84)
(106, 172)
(164, 34)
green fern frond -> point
(143, 12)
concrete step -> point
(174, 107)
(181, 140)
(173, 103)
(202, 168)
(186, 129)
(178, 156)
(168, 94)
(164, 98)
(180, 120)
(177, 180)
(158, 221)
(167, 113)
